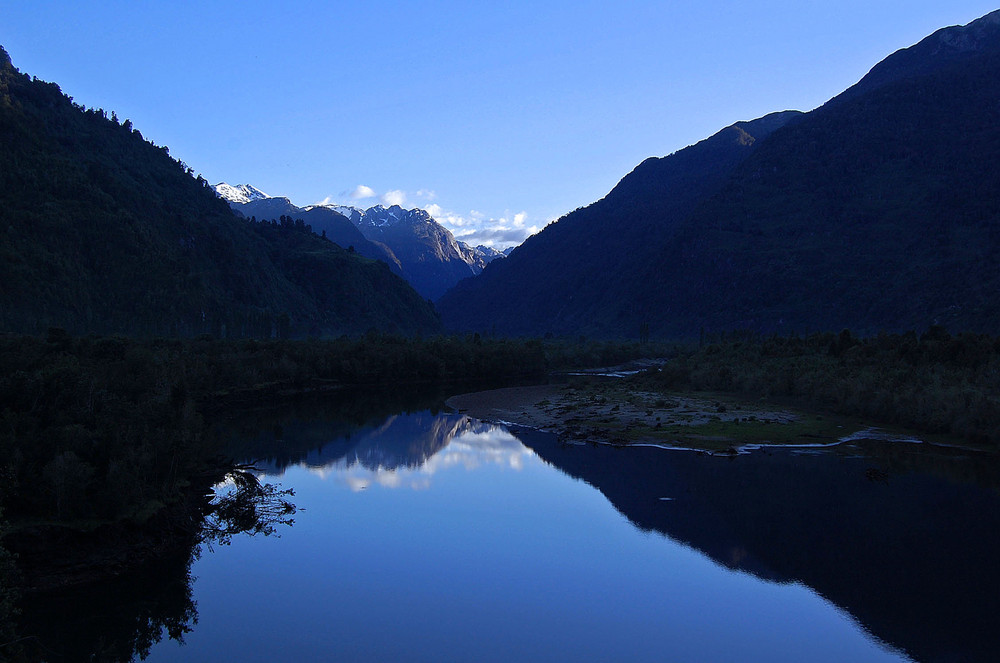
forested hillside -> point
(102, 231)
(879, 211)
(579, 274)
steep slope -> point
(945, 48)
(431, 259)
(571, 277)
(411, 242)
(101, 231)
(483, 255)
(325, 221)
(879, 210)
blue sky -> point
(497, 117)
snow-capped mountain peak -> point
(241, 193)
(352, 213)
(414, 245)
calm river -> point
(427, 536)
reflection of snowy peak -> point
(402, 441)
(241, 193)
(406, 441)
(402, 450)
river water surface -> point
(433, 537)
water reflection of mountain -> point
(405, 441)
(378, 430)
(909, 551)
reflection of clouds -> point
(477, 445)
(356, 483)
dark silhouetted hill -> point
(878, 211)
(101, 231)
(577, 275)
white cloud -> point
(358, 483)
(451, 221)
(395, 197)
(362, 192)
(475, 228)
(499, 238)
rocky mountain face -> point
(432, 260)
(484, 255)
(103, 232)
(879, 210)
(325, 222)
(411, 242)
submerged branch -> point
(248, 507)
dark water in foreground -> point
(426, 537)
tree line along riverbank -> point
(932, 382)
(110, 428)
(111, 431)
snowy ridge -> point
(411, 241)
(241, 193)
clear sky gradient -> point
(497, 117)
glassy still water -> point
(434, 537)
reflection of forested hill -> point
(911, 554)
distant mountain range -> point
(879, 210)
(411, 242)
(102, 231)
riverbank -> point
(104, 439)
(611, 411)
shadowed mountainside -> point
(410, 241)
(878, 211)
